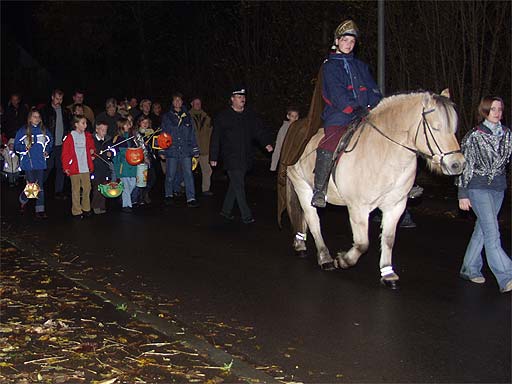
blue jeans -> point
(486, 204)
(129, 186)
(171, 164)
(36, 175)
(178, 179)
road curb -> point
(177, 331)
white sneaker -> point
(508, 287)
(481, 280)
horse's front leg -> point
(390, 218)
(305, 194)
(359, 224)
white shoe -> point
(481, 280)
(508, 287)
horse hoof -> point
(340, 263)
(391, 284)
(301, 254)
(329, 266)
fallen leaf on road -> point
(109, 381)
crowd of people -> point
(120, 147)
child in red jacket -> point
(77, 155)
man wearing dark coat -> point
(15, 116)
(234, 131)
(56, 119)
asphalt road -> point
(340, 326)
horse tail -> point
(293, 207)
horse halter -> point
(427, 129)
(436, 158)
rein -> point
(427, 131)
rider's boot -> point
(323, 167)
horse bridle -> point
(427, 130)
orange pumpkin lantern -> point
(164, 140)
(134, 156)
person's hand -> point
(213, 163)
(464, 204)
(66, 171)
(109, 154)
(360, 112)
(162, 157)
(269, 148)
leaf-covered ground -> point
(52, 331)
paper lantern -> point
(194, 163)
(141, 179)
(32, 190)
(112, 189)
(134, 156)
(164, 140)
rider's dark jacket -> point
(347, 84)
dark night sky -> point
(151, 49)
(16, 16)
(31, 26)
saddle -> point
(341, 148)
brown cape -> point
(297, 137)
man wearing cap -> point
(348, 90)
(234, 131)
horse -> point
(376, 170)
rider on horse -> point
(348, 90)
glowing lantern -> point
(164, 140)
(141, 180)
(112, 189)
(134, 156)
(32, 190)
